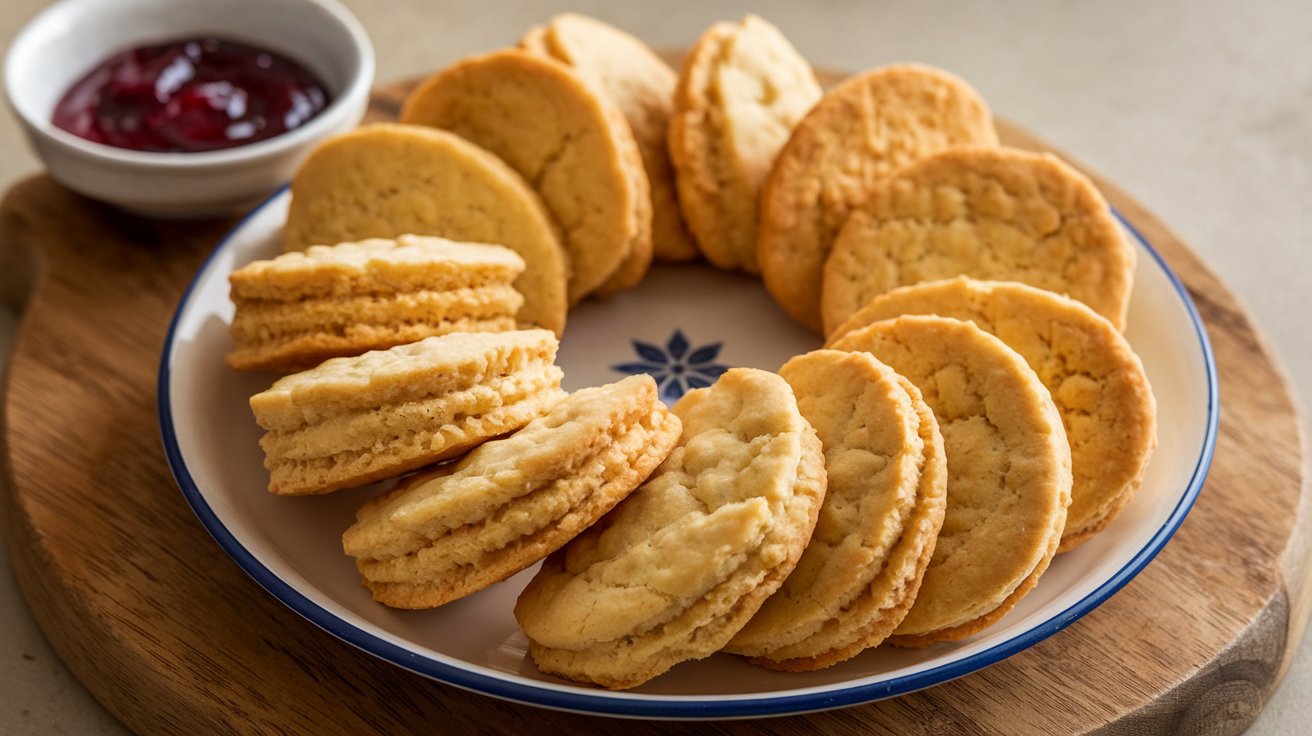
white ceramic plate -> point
(691, 320)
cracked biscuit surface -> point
(1096, 380)
(988, 213)
(861, 131)
(299, 309)
(384, 180)
(681, 565)
(641, 85)
(352, 421)
(1008, 464)
(742, 88)
(571, 144)
(453, 530)
(877, 527)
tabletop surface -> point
(1202, 111)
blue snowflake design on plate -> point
(678, 367)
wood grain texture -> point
(172, 637)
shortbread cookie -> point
(385, 180)
(860, 132)
(677, 568)
(456, 529)
(878, 524)
(1009, 471)
(570, 143)
(742, 89)
(1095, 379)
(641, 85)
(299, 309)
(351, 421)
(989, 213)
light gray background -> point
(1200, 110)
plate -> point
(684, 323)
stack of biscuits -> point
(975, 410)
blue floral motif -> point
(678, 366)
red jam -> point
(189, 96)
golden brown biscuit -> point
(988, 213)
(677, 568)
(456, 529)
(741, 90)
(1009, 471)
(571, 144)
(385, 180)
(877, 527)
(861, 131)
(299, 309)
(352, 421)
(641, 85)
(1096, 381)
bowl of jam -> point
(185, 108)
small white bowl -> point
(69, 38)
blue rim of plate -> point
(690, 706)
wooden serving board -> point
(173, 637)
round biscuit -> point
(742, 88)
(384, 180)
(988, 213)
(680, 566)
(639, 83)
(1009, 477)
(860, 132)
(578, 153)
(1095, 379)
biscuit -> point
(860, 132)
(988, 213)
(741, 90)
(572, 145)
(456, 529)
(641, 85)
(352, 421)
(385, 180)
(1009, 471)
(299, 309)
(676, 569)
(1094, 377)
(877, 527)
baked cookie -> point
(1096, 381)
(456, 529)
(881, 516)
(742, 88)
(299, 309)
(677, 568)
(641, 85)
(570, 143)
(1009, 471)
(352, 421)
(860, 132)
(989, 213)
(385, 180)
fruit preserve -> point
(189, 96)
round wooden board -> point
(173, 638)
